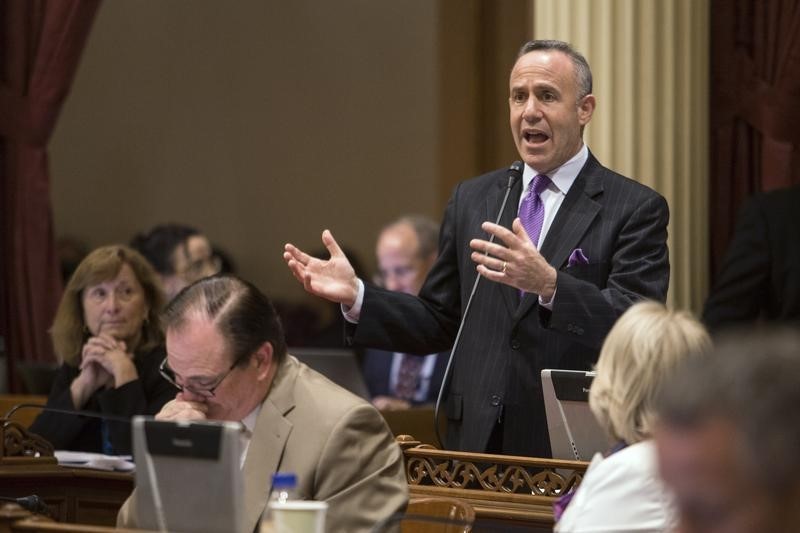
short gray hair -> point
(583, 74)
(641, 352)
(752, 381)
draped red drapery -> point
(40, 45)
(755, 107)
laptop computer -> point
(336, 364)
(188, 476)
(574, 432)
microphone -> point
(514, 175)
(46, 409)
(32, 503)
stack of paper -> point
(97, 461)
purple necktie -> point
(531, 211)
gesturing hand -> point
(333, 279)
(518, 263)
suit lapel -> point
(576, 214)
(493, 204)
(267, 443)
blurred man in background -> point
(406, 250)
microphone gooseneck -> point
(514, 175)
(46, 409)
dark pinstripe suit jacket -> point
(621, 227)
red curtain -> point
(755, 107)
(41, 42)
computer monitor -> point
(338, 365)
(574, 431)
(188, 476)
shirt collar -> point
(249, 422)
(564, 176)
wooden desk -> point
(75, 495)
(507, 492)
(14, 519)
(417, 421)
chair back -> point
(437, 515)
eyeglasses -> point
(404, 272)
(206, 392)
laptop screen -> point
(188, 476)
(574, 432)
(338, 365)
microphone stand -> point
(514, 173)
(19, 444)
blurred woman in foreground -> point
(108, 335)
(623, 492)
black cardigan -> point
(143, 396)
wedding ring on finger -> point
(505, 264)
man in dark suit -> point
(406, 250)
(587, 244)
(760, 278)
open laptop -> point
(574, 432)
(188, 476)
(336, 364)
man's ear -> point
(264, 359)
(586, 109)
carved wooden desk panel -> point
(501, 488)
(74, 495)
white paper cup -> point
(298, 516)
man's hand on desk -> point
(179, 409)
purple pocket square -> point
(577, 258)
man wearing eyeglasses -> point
(406, 250)
(226, 353)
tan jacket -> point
(338, 445)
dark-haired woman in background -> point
(108, 335)
(180, 255)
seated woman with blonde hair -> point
(623, 492)
(108, 335)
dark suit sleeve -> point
(377, 367)
(61, 430)
(742, 284)
(638, 269)
(421, 325)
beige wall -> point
(258, 122)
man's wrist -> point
(549, 292)
(353, 312)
